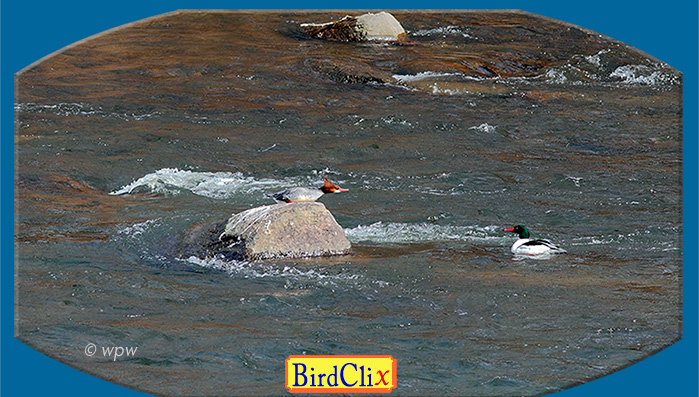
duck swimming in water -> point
(527, 246)
(306, 194)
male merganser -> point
(306, 194)
(526, 246)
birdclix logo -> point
(341, 374)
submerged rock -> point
(272, 231)
(346, 72)
(202, 241)
(382, 26)
(343, 30)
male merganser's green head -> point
(523, 231)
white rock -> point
(381, 26)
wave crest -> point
(220, 185)
(404, 233)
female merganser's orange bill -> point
(527, 246)
(306, 194)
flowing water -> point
(483, 121)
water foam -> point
(442, 31)
(436, 89)
(269, 270)
(596, 68)
(602, 68)
(209, 184)
(407, 78)
(485, 127)
(405, 233)
(596, 59)
(80, 109)
(139, 228)
(644, 75)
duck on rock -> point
(306, 194)
(526, 246)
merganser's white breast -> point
(526, 246)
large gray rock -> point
(381, 26)
(285, 230)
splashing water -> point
(406, 233)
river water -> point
(483, 121)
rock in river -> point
(380, 26)
(287, 230)
(272, 231)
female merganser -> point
(526, 246)
(306, 194)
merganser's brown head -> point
(329, 187)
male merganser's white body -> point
(527, 246)
(306, 194)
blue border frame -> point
(31, 30)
